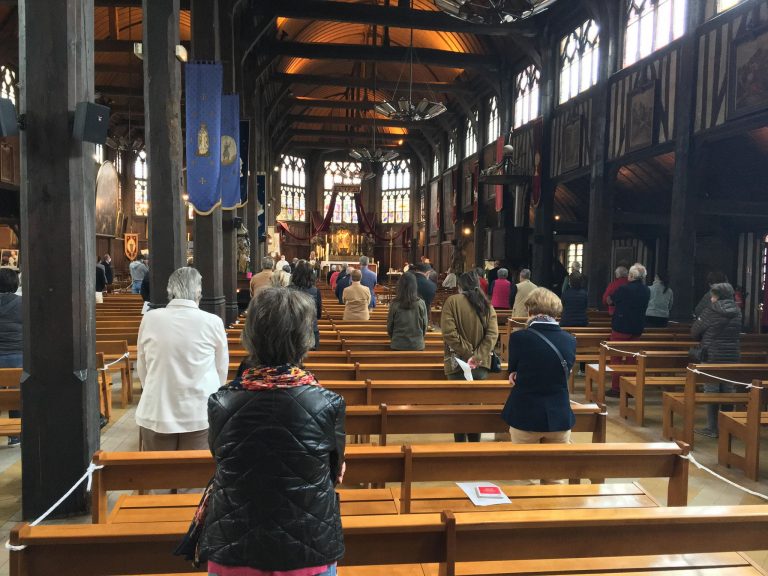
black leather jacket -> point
(278, 454)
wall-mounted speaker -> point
(91, 122)
(9, 123)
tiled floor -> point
(703, 488)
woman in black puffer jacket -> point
(278, 440)
(719, 331)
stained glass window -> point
(423, 205)
(579, 60)
(9, 84)
(527, 96)
(436, 163)
(470, 136)
(396, 192)
(452, 150)
(652, 24)
(494, 121)
(341, 173)
(98, 154)
(140, 199)
(293, 189)
(575, 253)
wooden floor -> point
(122, 434)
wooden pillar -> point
(60, 428)
(252, 208)
(543, 244)
(162, 94)
(682, 221)
(209, 246)
(228, 231)
(597, 253)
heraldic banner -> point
(203, 99)
(229, 180)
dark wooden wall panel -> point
(566, 119)
(660, 68)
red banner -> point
(536, 178)
(454, 197)
(498, 188)
(475, 192)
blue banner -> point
(245, 146)
(203, 84)
(261, 197)
(229, 180)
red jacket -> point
(612, 287)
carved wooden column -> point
(162, 95)
(208, 229)
(682, 221)
(598, 265)
(60, 427)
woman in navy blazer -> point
(538, 409)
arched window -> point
(765, 264)
(293, 189)
(723, 5)
(494, 121)
(452, 150)
(98, 155)
(470, 136)
(652, 24)
(140, 199)
(579, 60)
(396, 192)
(527, 96)
(341, 173)
(9, 84)
(436, 163)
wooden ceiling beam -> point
(333, 104)
(354, 82)
(397, 17)
(360, 52)
(348, 121)
(184, 4)
(349, 135)
(123, 45)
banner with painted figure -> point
(203, 84)
(229, 179)
(261, 198)
(245, 145)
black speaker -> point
(91, 122)
(9, 124)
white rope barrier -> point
(86, 477)
(701, 466)
(745, 384)
(633, 354)
(108, 366)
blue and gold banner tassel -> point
(229, 179)
(203, 83)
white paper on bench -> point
(470, 489)
(597, 367)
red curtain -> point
(324, 225)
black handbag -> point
(698, 354)
(495, 362)
(189, 547)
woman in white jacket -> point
(182, 358)
(660, 303)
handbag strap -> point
(563, 363)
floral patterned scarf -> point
(271, 377)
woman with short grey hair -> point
(182, 358)
(278, 440)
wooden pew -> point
(457, 542)
(387, 419)
(357, 371)
(745, 427)
(682, 405)
(404, 464)
(10, 399)
(117, 351)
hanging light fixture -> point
(492, 11)
(373, 154)
(405, 108)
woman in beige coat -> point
(356, 298)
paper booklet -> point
(484, 493)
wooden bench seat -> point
(744, 427)
(386, 419)
(414, 464)
(448, 539)
(358, 371)
(679, 408)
